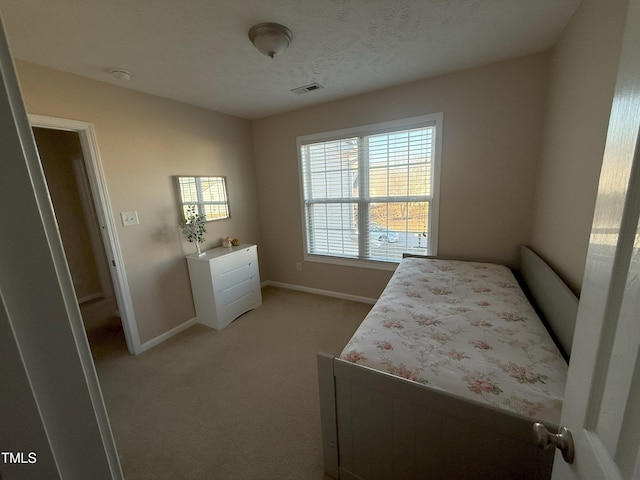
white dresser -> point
(225, 283)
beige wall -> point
(143, 140)
(491, 138)
(582, 80)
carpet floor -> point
(236, 404)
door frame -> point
(95, 238)
(102, 204)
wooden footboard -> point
(377, 426)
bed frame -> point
(378, 426)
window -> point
(207, 194)
(370, 193)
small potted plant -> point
(193, 227)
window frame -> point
(429, 120)
(201, 203)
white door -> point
(602, 400)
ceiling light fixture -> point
(270, 38)
(121, 74)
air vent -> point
(307, 88)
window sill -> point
(352, 262)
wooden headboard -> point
(554, 299)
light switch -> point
(129, 218)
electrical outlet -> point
(299, 266)
(129, 218)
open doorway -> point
(63, 163)
(70, 161)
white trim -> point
(317, 291)
(374, 128)
(352, 262)
(435, 195)
(166, 335)
(86, 200)
(105, 217)
(92, 296)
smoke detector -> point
(121, 74)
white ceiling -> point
(198, 51)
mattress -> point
(465, 328)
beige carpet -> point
(240, 403)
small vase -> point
(198, 248)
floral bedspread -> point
(466, 328)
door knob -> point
(562, 440)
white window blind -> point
(371, 195)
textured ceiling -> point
(198, 51)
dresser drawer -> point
(227, 263)
(240, 289)
(234, 309)
(235, 276)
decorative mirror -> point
(207, 194)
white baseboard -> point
(92, 296)
(326, 293)
(165, 336)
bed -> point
(447, 373)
